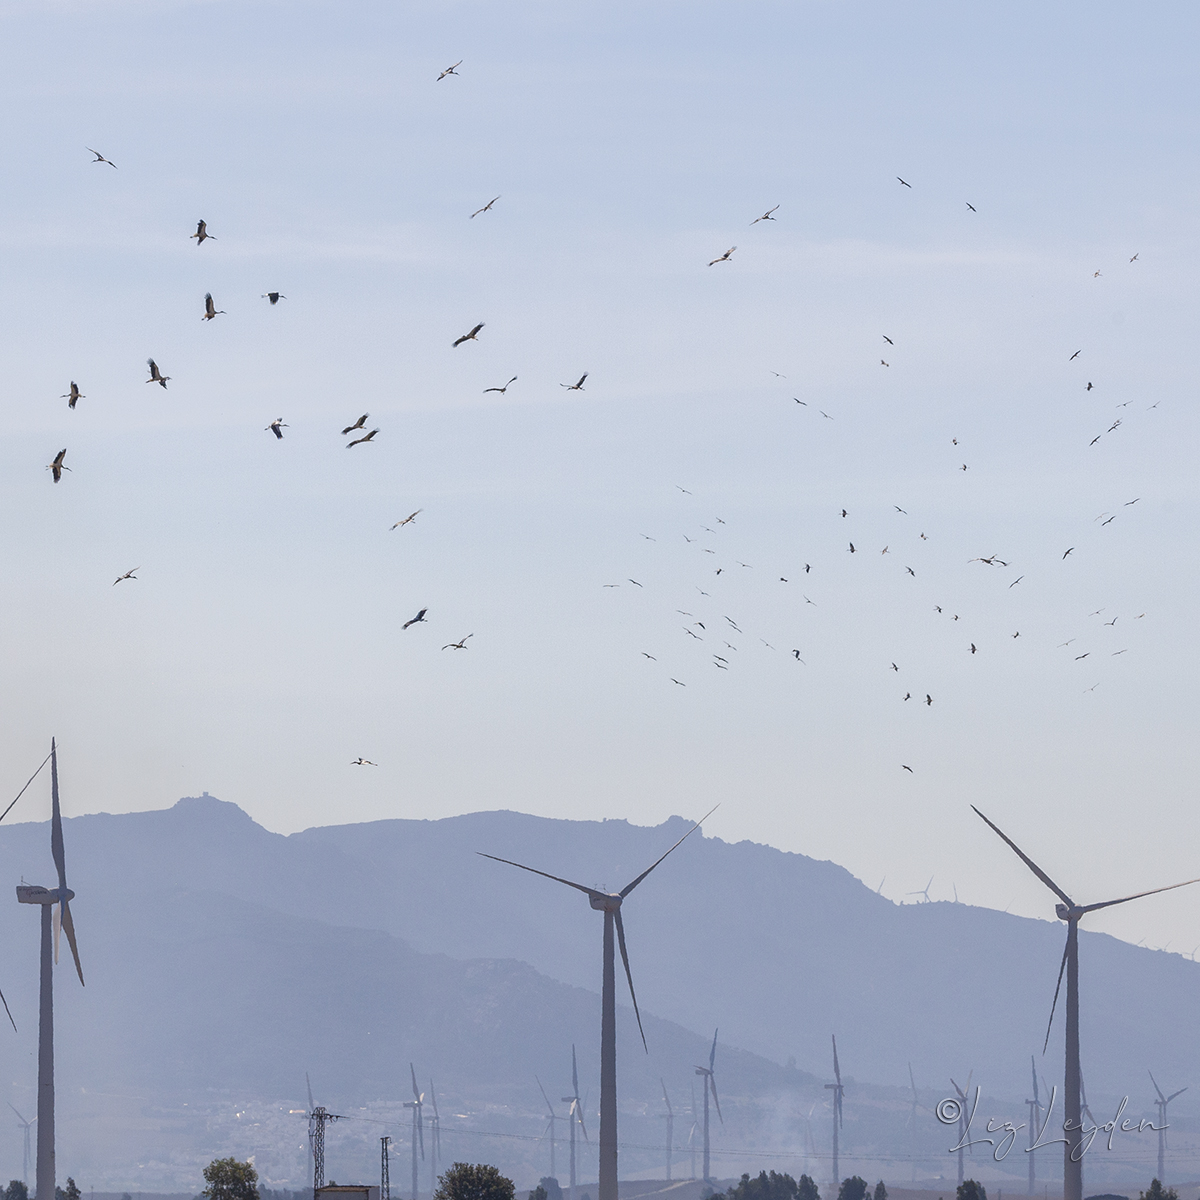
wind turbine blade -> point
(10, 1017)
(433, 1099)
(587, 891)
(629, 976)
(56, 837)
(1062, 966)
(1174, 1094)
(1156, 1087)
(308, 1084)
(666, 1098)
(1031, 864)
(912, 1081)
(1033, 1069)
(544, 1097)
(712, 1083)
(68, 924)
(574, 1074)
(19, 1117)
(630, 886)
(420, 1131)
(837, 1071)
(1087, 908)
(416, 1094)
(712, 1054)
(57, 921)
(579, 1118)
(22, 791)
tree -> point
(478, 1181)
(806, 1189)
(16, 1190)
(765, 1187)
(229, 1179)
(880, 1191)
(538, 1193)
(1158, 1192)
(552, 1189)
(971, 1189)
(70, 1192)
(856, 1188)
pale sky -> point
(260, 649)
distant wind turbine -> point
(574, 1115)
(609, 903)
(61, 919)
(838, 1091)
(963, 1124)
(435, 1140)
(418, 1133)
(1071, 912)
(708, 1074)
(692, 1132)
(1035, 1107)
(26, 1126)
(922, 892)
(550, 1128)
(912, 1121)
(668, 1116)
(1161, 1104)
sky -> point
(854, 353)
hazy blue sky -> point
(261, 649)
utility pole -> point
(385, 1177)
(319, 1117)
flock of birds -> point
(715, 629)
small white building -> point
(347, 1191)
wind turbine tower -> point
(669, 1117)
(418, 1133)
(912, 1120)
(48, 898)
(692, 1132)
(550, 1127)
(1071, 913)
(1161, 1104)
(574, 1114)
(435, 1140)
(609, 903)
(709, 1084)
(26, 1127)
(962, 1122)
(1035, 1107)
(838, 1091)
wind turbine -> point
(26, 1126)
(435, 1140)
(61, 919)
(575, 1112)
(669, 1117)
(838, 1091)
(709, 1084)
(609, 903)
(962, 1122)
(912, 1120)
(1035, 1107)
(1071, 912)
(418, 1133)
(692, 1132)
(1161, 1104)
(921, 891)
(549, 1127)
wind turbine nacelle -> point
(601, 903)
(1062, 911)
(29, 893)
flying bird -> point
(56, 468)
(363, 762)
(634, 582)
(100, 158)
(501, 390)
(1089, 386)
(411, 517)
(277, 427)
(970, 206)
(911, 572)
(577, 387)
(884, 363)
(1068, 552)
(210, 310)
(461, 644)
(156, 376)
(1075, 356)
(767, 217)
(1016, 581)
(357, 424)
(908, 769)
(202, 232)
(469, 337)
(73, 395)
(127, 575)
(485, 208)
(649, 656)
(887, 339)
(1133, 259)
(905, 182)
(724, 257)
(928, 698)
(972, 647)
(674, 680)
(358, 441)
(852, 550)
(450, 70)
(415, 620)
(274, 297)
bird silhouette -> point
(101, 159)
(366, 438)
(450, 70)
(469, 337)
(277, 427)
(970, 206)
(766, 216)
(73, 395)
(575, 387)
(501, 390)
(56, 468)
(363, 762)
(905, 182)
(408, 520)
(485, 208)
(274, 297)
(210, 310)
(156, 376)
(461, 644)
(723, 257)
(416, 620)
(202, 234)
(357, 424)
(127, 575)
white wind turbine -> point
(418, 1133)
(838, 1092)
(1161, 1104)
(574, 1114)
(550, 1128)
(435, 1140)
(609, 903)
(669, 1117)
(59, 899)
(709, 1084)
(26, 1126)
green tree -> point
(70, 1192)
(229, 1179)
(807, 1189)
(472, 1181)
(16, 1190)
(552, 1189)
(856, 1188)
(764, 1187)
(538, 1193)
(971, 1189)
(1158, 1192)
(880, 1191)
